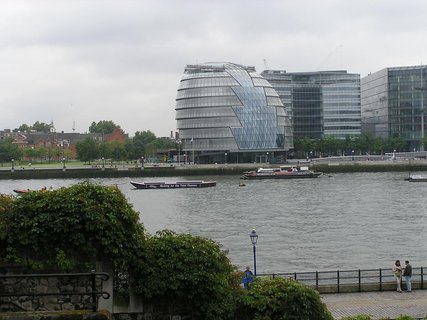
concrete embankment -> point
(206, 170)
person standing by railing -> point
(397, 272)
(407, 274)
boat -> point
(21, 191)
(173, 185)
(282, 172)
(417, 178)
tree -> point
(9, 151)
(103, 126)
(118, 151)
(87, 150)
(23, 128)
(141, 142)
(282, 299)
(189, 273)
(41, 127)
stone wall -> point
(46, 293)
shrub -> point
(282, 299)
(190, 274)
(70, 229)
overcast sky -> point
(71, 61)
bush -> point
(281, 299)
(71, 229)
(190, 275)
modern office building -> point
(319, 104)
(227, 112)
(393, 104)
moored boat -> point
(282, 172)
(417, 178)
(173, 185)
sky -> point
(74, 62)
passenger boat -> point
(173, 185)
(417, 178)
(283, 172)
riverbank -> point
(322, 165)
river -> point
(337, 221)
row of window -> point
(208, 82)
(208, 102)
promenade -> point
(384, 304)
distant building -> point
(321, 103)
(227, 112)
(393, 102)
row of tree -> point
(363, 144)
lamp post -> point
(13, 165)
(254, 238)
(394, 154)
(63, 164)
(225, 157)
(103, 163)
(266, 157)
(179, 152)
(352, 155)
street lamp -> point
(179, 152)
(266, 157)
(63, 164)
(352, 155)
(225, 157)
(254, 238)
(13, 165)
(103, 163)
(394, 154)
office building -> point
(319, 104)
(227, 112)
(393, 104)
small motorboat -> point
(417, 178)
(21, 191)
(173, 185)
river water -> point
(338, 221)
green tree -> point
(87, 150)
(103, 126)
(23, 128)
(9, 151)
(141, 142)
(118, 151)
(41, 127)
(189, 273)
(282, 299)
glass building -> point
(319, 104)
(227, 112)
(393, 104)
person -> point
(248, 277)
(407, 274)
(397, 272)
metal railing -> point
(340, 278)
(95, 280)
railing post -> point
(360, 283)
(338, 281)
(381, 279)
(422, 278)
(93, 285)
(317, 280)
(295, 276)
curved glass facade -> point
(225, 109)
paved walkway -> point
(377, 304)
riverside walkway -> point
(385, 304)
